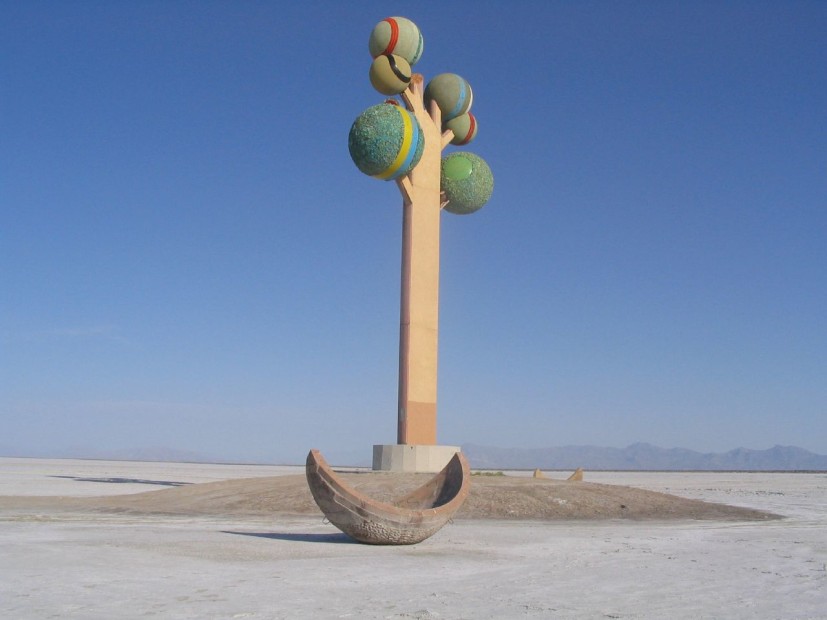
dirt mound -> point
(490, 497)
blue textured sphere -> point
(386, 141)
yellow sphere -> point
(390, 74)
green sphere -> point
(467, 182)
(386, 142)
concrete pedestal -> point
(409, 458)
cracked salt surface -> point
(127, 566)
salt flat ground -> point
(74, 565)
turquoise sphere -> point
(386, 142)
(467, 182)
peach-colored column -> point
(419, 316)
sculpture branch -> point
(405, 188)
(435, 114)
(414, 95)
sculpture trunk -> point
(419, 322)
(419, 314)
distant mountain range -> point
(644, 456)
(638, 456)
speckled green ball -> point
(386, 141)
(467, 182)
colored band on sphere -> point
(418, 51)
(411, 153)
(404, 152)
(472, 125)
(394, 35)
(402, 77)
(460, 100)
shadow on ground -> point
(314, 538)
(164, 483)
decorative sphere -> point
(386, 141)
(390, 74)
(464, 127)
(467, 182)
(396, 35)
(452, 94)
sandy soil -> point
(490, 497)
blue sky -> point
(189, 258)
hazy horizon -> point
(363, 458)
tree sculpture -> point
(405, 144)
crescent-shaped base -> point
(408, 520)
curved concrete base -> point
(412, 458)
(406, 521)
